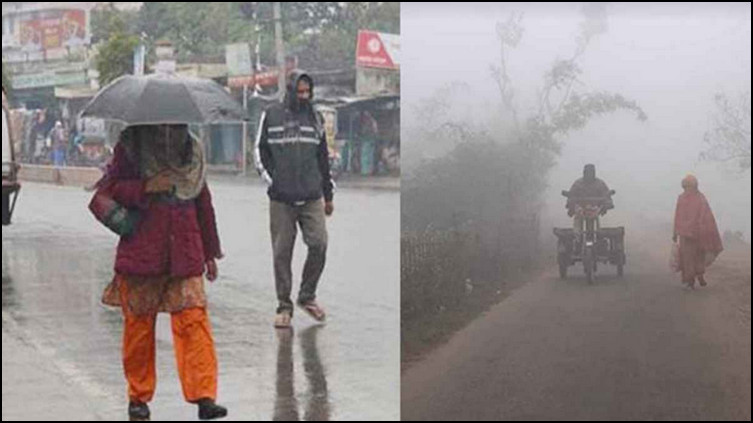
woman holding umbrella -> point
(157, 174)
(155, 196)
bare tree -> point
(565, 104)
(509, 34)
(729, 138)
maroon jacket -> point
(171, 238)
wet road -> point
(632, 348)
(57, 259)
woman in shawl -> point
(697, 233)
(158, 175)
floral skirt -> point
(152, 295)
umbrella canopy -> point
(164, 99)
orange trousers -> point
(194, 353)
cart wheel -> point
(588, 266)
(564, 261)
(6, 209)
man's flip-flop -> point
(313, 310)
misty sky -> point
(670, 58)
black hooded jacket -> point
(291, 149)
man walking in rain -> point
(293, 159)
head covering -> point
(690, 182)
(168, 149)
(291, 94)
(589, 172)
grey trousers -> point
(284, 220)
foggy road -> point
(637, 348)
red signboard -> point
(378, 50)
(62, 28)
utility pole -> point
(257, 52)
(250, 10)
(280, 50)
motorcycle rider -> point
(589, 186)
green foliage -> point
(322, 34)
(115, 56)
(103, 19)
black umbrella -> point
(164, 99)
